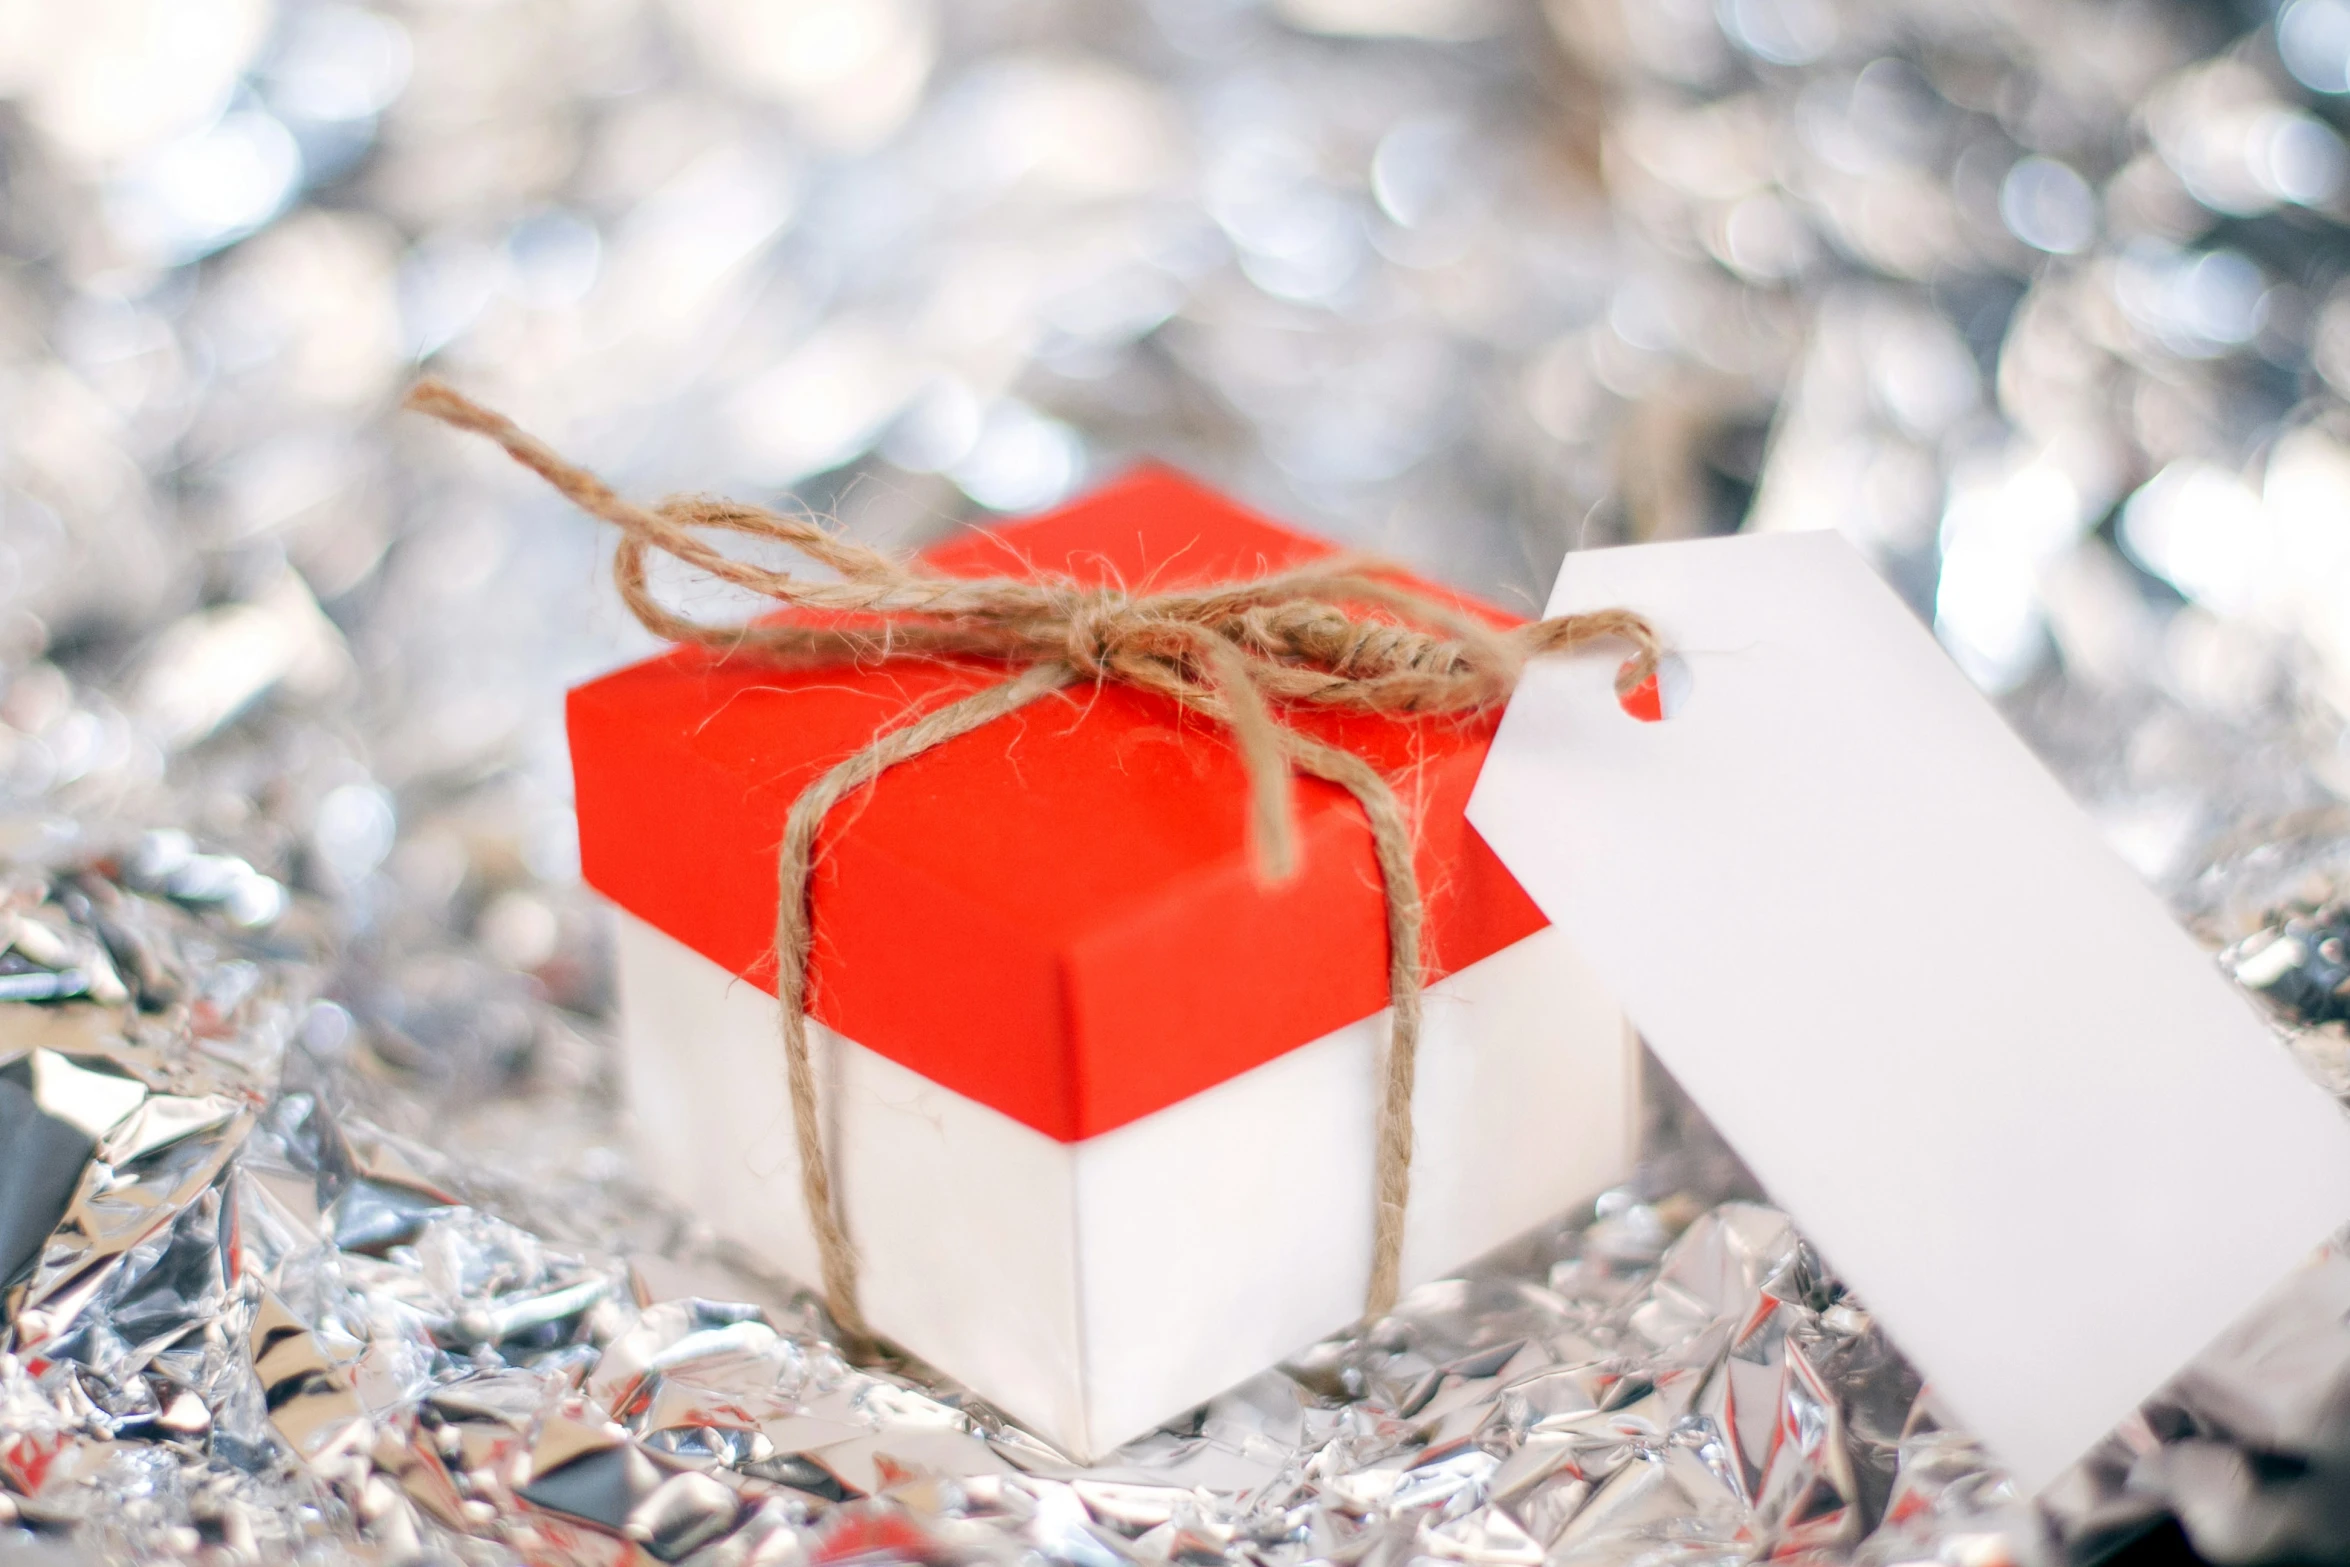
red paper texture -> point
(1056, 915)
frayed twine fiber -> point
(1319, 635)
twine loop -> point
(1337, 634)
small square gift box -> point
(1100, 1102)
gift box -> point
(1099, 1097)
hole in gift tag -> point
(1662, 695)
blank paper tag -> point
(2019, 1111)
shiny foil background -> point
(2045, 305)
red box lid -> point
(1056, 914)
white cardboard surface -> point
(1097, 1288)
(2016, 1107)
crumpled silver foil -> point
(255, 1326)
(247, 1324)
(316, 1236)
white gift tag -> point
(2019, 1111)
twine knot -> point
(1097, 632)
(1338, 634)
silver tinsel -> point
(306, 1144)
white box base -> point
(1094, 1289)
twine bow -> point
(1330, 634)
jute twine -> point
(1332, 634)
